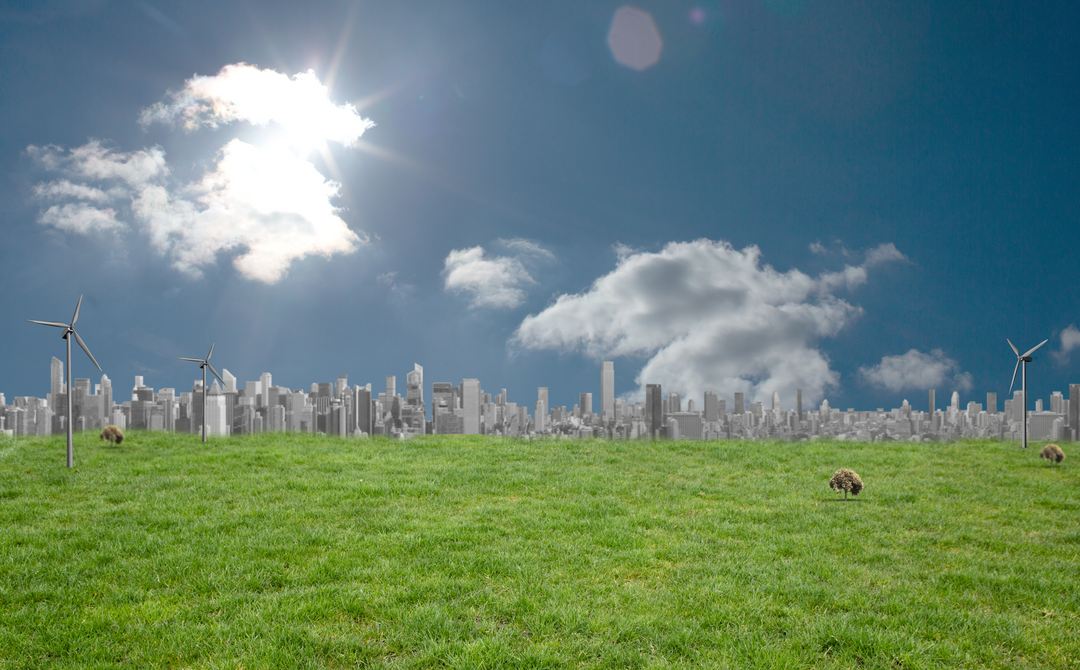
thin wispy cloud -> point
(265, 205)
(708, 317)
(916, 370)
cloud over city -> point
(1070, 339)
(707, 317)
(917, 371)
(494, 282)
(265, 205)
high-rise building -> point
(1057, 403)
(391, 387)
(265, 382)
(414, 385)
(991, 403)
(230, 381)
(1074, 410)
(1019, 402)
(362, 398)
(798, 403)
(56, 385)
(586, 404)
(654, 409)
(931, 412)
(775, 400)
(739, 407)
(542, 396)
(341, 386)
(607, 390)
(955, 402)
(674, 403)
(470, 405)
(712, 406)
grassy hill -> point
(300, 551)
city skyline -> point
(338, 409)
(765, 196)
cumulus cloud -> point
(1070, 339)
(265, 205)
(491, 282)
(299, 104)
(80, 218)
(708, 316)
(916, 370)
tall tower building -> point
(607, 390)
(586, 404)
(739, 407)
(341, 386)
(265, 382)
(542, 396)
(991, 403)
(1074, 410)
(654, 409)
(56, 379)
(712, 406)
(470, 405)
(955, 402)
(931, 402)
(414, 385)
(230, 381)
(674, 402)
(391, 387)
(775, 400)
(1019, 402)
(106, 398)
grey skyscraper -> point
(470, 405)
(991, 403)
(712, 406)
(775, 400)
(542, 396)
(931, 402)
(391, 387)
(607, 390)
(56, 385)
(586, 404)
(674, 402)
(739, 408)
(414, 385)
(654, 412)
(1074, 410)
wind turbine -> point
(1025, 359)
(204, 363)
(69, 329)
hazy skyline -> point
(859, 201)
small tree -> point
(112, 434)
(1052, 453)
(847, 481)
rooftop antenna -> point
(1025, 359)
(204, 363)
(69, 329)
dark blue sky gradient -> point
(945, 128)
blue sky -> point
(857, 199)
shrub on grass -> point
(1052, 453)
(113, 434)
(847, 481)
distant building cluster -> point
(338, 409)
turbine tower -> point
(204, 363)
(1025, 359)
(69, 330)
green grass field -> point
(298, 551)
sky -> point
(862, 200)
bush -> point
(113, 434)
(847, 481)
(1052, 453)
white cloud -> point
(817, 248)
(526, 247)
(916, 370)
(1070, 339)
(80, 218)
(708, 316)
(300, 104)
(492, 282)
(883, 253)
(266, 205)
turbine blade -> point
(77, 306)
(83, 345)
(1014, 375)
(215, 373)
(1035, 347)
(49, 323)
(197, 360)
(211, 352)
(1015, 350)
